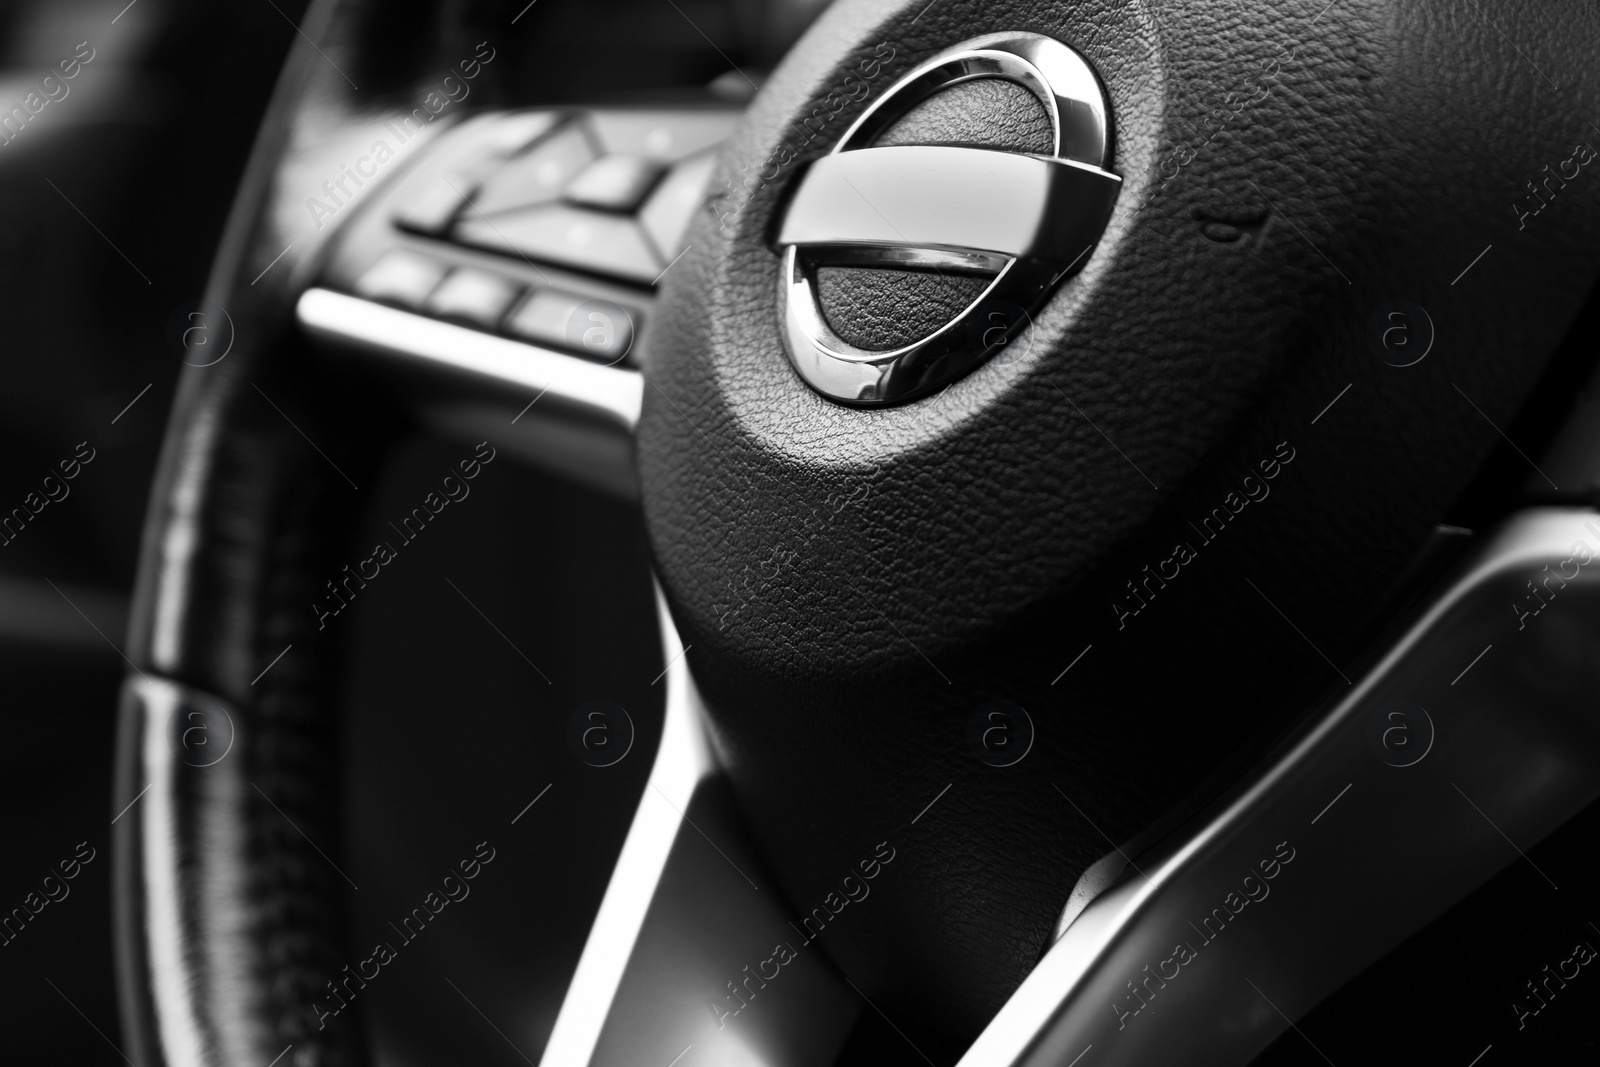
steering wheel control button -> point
(513, 133)
(598, 329)
(479, 297)
(401, 277)
(1021, 221)
(432, 210)
(670, 209)
(614, 183)
(539, 174)
(666, 136)
(590, 240)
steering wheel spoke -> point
(1207, 946)
(692, 930)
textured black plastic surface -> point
(856, 583)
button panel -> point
(434, 209)
(630, 182)
(550, 227)
(585, 324)
(666, 215)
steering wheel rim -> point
(229, 560)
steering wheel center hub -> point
(1020, 221)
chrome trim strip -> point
(937, 259)
(678, 944)
(682, 762)
(1370, 828)
(183, 884)
(177, 1019)
(180, 538)
(948, 197)
(1054, 73)
(840, 370)
(609, 393)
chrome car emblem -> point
(1024, 221)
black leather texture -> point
(985, 113)
(857, 584)
(878, 309)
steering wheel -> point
(1083, 447)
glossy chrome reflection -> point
(184, 898)
(944, 197)
(1026, 221)
(612, 394)
(682, 916)
(1343, 845)
(1054, 73)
